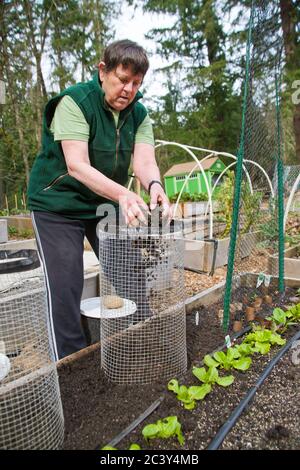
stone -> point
(113, 301)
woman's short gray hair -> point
(128, 54)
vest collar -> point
(104, 104)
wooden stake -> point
(6, 203)
(138, 187)
(24, 201)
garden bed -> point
(291, 262)
(96, 411)
(190, 209)
(205, 256)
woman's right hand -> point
(133, 209)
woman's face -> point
(120, 85)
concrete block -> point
(3, 231)
(15, 245)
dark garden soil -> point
(96, 411)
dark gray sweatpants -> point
(60, 242)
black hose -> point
(235, 415)
(18, 261)
(213, 264)
(135, 423)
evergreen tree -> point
(198, 79)
(285, 22)
(39, 40)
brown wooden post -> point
(138, 186)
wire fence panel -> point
(31, 414)
(257, 211)
(142, 302)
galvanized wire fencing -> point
(257, 209)
(142, 303)
(30, 407)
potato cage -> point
(142, 303)
(30, 407)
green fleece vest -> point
(110, 148)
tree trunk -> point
(41, 87)
(22, 141)
(288, 19)
(296, 122)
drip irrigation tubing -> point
(135, 423)
(235, 415)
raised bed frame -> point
(205, 298)
(291, 265)
(205, 256)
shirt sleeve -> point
(68, 122)
(144, 134)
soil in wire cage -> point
(96, 410)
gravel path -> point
(195, 282)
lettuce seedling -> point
(232, 358)
(282, 319)
(261, 340)
(164, 428)
(211, 376)
(189, 395)
(244, 349)
(132, 447)
(295, 312)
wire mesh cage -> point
(142, 303)
(30, 407)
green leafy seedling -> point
(281, 319)
(294, 313)
(245, 349)
(189, 395)
(211, 376)
(164, 429)
(262, 339)
(132, 447)
(232, 358)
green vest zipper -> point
(55, 181)
(118, 129)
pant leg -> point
(60, 244)
(91, 234)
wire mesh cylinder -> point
(143, 334)
(30, 407)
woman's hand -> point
(158, 196)
(133, 209)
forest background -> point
(48, 45)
